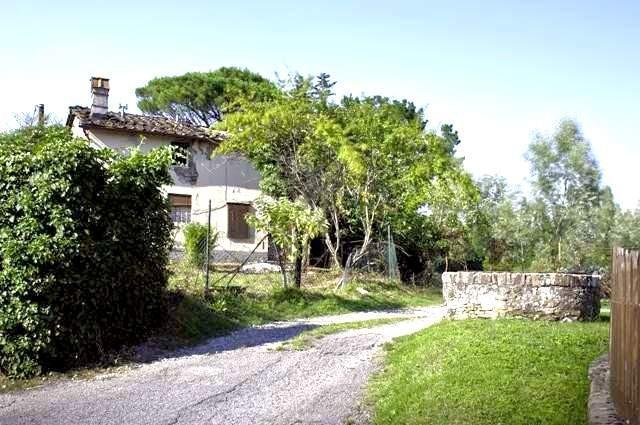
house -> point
(229, 182)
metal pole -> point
(389, 250)
(206, 282)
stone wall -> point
(553, 296)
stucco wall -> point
(222, 179)
(553, 296)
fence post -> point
(206, 280)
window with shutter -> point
(180, 208)
(237, 227)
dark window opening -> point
(180, 154)
(237, 226)
(180, 208)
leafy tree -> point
(506, 233)
(366, 162)
(450, 136)
(384, 152)
(291, 225)
(292, 142)
(566, 183)
(626, 232)
(203, 98)
(321, 89)
(395, 170)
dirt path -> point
(237, 379)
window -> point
(237, 226)
(180, 208)
(180, 154)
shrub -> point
(195, 243)
(84, 242)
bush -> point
(84, 242)
(195, 243)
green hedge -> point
(195, 243)
(84, 243)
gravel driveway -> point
(237, 379)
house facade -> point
(228, 182)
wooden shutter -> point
(237, 227)
(180, 200)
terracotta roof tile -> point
(142, 124)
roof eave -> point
(211, 139)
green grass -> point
(306, 339)
(489, 372)
(256, 299)
(605, 310)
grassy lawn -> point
(306, 338)
(489, 372)
(259, 298)
(605, 310)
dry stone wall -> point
(554, 296)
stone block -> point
(536, 295)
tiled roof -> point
(142, 124)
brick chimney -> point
(99, 96)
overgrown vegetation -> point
(489, 372)
(84, 240)
(371, 163)
(291, 225)
(367, 163)
(195, 242)
(569, 223)
(257, 299)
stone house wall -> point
(553, 296)
(223, 179)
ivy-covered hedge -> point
(84, 241)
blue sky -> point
(498, 71)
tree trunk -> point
(446, 263)
(558, 259)
(333, 251)
(298, 271)
(334, 247)
(283, 266)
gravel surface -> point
(236, 379)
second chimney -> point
(99, 96)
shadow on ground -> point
(242, 338)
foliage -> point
(381, 150)
(203, 98)
(567, 188)
(569, 224)
(505, 232)
(489, 372)
(195, 242)
(627, 229)
(291, 225)
(292, 142)
(262, 299)
(84, 239)
(366, 162)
